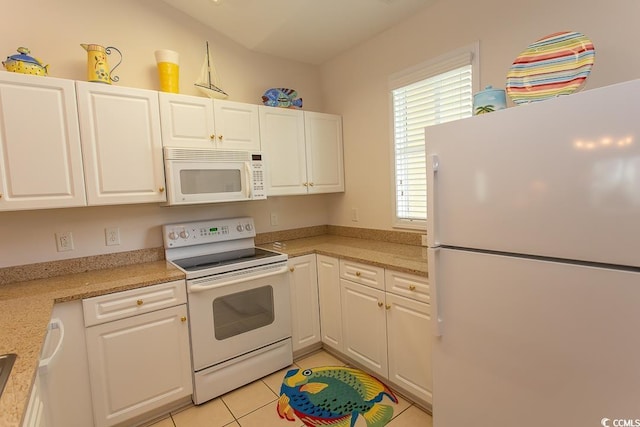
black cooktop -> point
(203, 262)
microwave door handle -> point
(249, 180)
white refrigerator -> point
(534, 263)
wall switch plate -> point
(274, 218)
(112, 236)
(64, 241)
(354, 214)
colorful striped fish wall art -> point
(334, 396)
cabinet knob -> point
(306, 184)
(388, 306)
(183, 319)
(0, 195)
(412, 287)
(220, 137)
(292, 269)
(212, 136)
(139, 302)
(161, 189)
(380, 303)
(358, 274)
(311, 184)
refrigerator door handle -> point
(436, 314)
(433, 164)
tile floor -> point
(254, 405)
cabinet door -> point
(187, 121)
(409, 345)
(237, 125)
(325, 168)
(330, 304)
(121, 144)
(40, 156)
(364, 325)
(138, 364)
(304, 301)
(282, 140)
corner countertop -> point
(25, 311)
(396, 256)
(25, 307)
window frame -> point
(421, 71)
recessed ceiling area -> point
(309, 31)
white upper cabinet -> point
(40, 155)
(303, 151)
(197, 122)
(325, 167)
(121, 144)
(283, 145)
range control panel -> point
(207, 231)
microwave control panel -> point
(258, 187)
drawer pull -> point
(161, 189)
(358, 274)
(183, 319)
(412, 287)
(139, 302)
(380, 303)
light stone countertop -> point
(400, 257)
(25, 307)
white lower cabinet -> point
(305, 309)
(363, 325)
(329, 297)
(409, 345)
(386, 324)
(139, 359)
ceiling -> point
(309, 31)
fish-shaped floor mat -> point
(334, 396)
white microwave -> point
(198, 175)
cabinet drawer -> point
(362, 273)
(407, 285)
(107, 308)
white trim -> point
(451, 60)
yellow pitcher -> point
(97, 65)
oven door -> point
(191, 182)
(234, 313)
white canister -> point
(489, 100)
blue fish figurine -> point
(334, 396)
(281, 97)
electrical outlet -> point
(354, 215)
(112, 236)
(274, 218)
(64, 241)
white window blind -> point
(424, 96)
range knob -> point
(239, 228)
(184, 234)
(248, 227)
(173, 235)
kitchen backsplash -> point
(79, 265)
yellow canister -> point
(168, 70)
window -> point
(434, 92)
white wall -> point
(53, 30)
(356, 82)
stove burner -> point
(204, 262)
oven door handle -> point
(202, 288)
